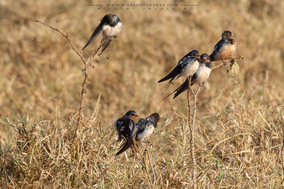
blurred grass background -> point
(41, 79)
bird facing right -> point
(125, 125)
(200, 76)
(225, 48)
(186, 67)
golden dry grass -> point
(239, 127)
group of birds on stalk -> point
(133, 133)
(194, 68)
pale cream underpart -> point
(147, 134)
(202, 74)
(190, 70)
(111, 32)
(227, 52)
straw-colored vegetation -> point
(239, 121)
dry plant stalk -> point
(282, 152)
(66, 36)
(145, 160)
(103, 43)
(84, 89)
(150, 161)
(232, 61)
(191, 128)
(190, 124)
(192, 137)
(188, 118)
(83, 92)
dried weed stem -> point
(192, 137)
(84, 88)
(232, 61)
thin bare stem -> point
(232, 60)
(84, 88)
(145, 160)
(188, 115)
(83, 92)
(192, 137)
(282, 154)
(66, 36)
(150, 161)
(12, 124)
(102, 44)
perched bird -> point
(199, 77)
(111, 26)
(225, 48)
(145, 127)
(125, 125)
(141, 132)
(186, 67)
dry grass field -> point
(239, 121)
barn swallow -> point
(125, 125)
(141, 132)
(199, 77)
(145, 127)
(111, 26)
(225, 48)
(186, 67)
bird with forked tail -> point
(199, 77)
(186, 67)
(141, 132)
(125, 125)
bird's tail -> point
(169, 95)
(181, 88)
(97, 31)
(167, 86)
(105, 43)
(123, 148)
(178, 90)
(173, 75)
(165, 78)
(212, 56)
